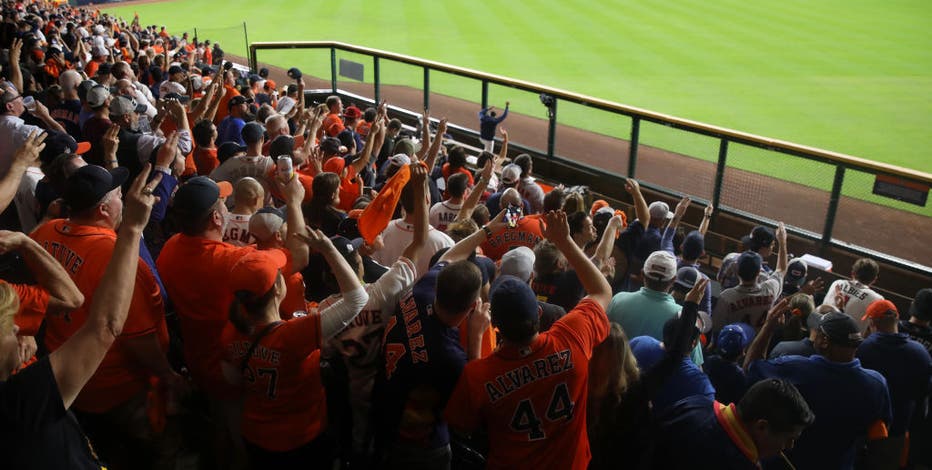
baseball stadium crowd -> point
(201, 269)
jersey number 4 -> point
(560, 408)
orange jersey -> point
(33, 302)
(532, 401)
(526, 233)
(223, 108)
(350, 190)
(195, 271)
(84, 252)
(285, 405)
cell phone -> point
(512, 214)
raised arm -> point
(503, 152)
(640, 206)
(338, 316)
(475, 193)
(435, 145)
(425, 135)
(49, 273)
(23, 158)
(198, 113)
(706, 218)
(604, 251)
(467, 246)
(294, 194)
(16, 74)
(419, 180)
(360, 163)
(666, 241)
(76, 360)
(781, 252)
(758, 348)
(558, 232)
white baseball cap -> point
(660, 265)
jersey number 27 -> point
(559, 408)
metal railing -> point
(837, 163)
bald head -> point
(68, 81)
(510, 197)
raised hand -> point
(28, 153)
(695, 294)
(708, 209)
(812, 286)
(555, 227)
(776, 313)
(139, 200)
(316, 240)
(487, 171)
(168, 151)
(111, 141)
(480, 318)
(781, 233)
(681, 207)
(632, 186)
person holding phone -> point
(521, 230)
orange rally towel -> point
(376, 216)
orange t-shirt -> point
(223, 108)
(195, 272)
(205, 161)
(33, 302)
(350, 189)
(84, 252)
(533, 405)
(526, 233)
(285, 405)
(447, 173)
(91, 68)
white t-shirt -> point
(851, 297)
(236, 230)
(27, 207)
(442, 214)
(747, 304)
(398, 235)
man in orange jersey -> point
(111, 407)
(525, 232)
(531, 393)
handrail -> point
(734, 135)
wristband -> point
(488, 232)
(163, 169)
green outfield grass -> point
(850, 76)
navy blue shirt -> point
(727, 378)
(423, 361)
(846, 399)
(686, 380)
(802, 347)
(689, 436)
(907, 367)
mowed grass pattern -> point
(849, 76)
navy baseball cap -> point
(199, 194)
(921, 307)
(841, 329)
(732, 340)
(90, 183)
(253, 132)
(511, 297)
(693, 245)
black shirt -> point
(36, 431)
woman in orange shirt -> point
(278, 362)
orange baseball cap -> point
(879, 309)
(257, 271)
(598, 205)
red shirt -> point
(533, 402)
(285, 405)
